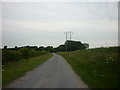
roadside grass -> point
(16, 69)
(99, 67)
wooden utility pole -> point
(70, 35)
(66, 33)
(70, 39)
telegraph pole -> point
(66, 33)
(70, 35)
(70, 39)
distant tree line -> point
(69, 45)
(34, 48)
(24, 52)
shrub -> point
(23, 53)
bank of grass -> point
(16, 69)
(97, 67)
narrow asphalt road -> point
(55, 73)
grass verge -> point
(16, 69)
(97, 67)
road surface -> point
(55, 73)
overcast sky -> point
(44, 23)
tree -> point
(49, 48)
(16, 47)
(61, 48)
(41, 48)
(74, 45)
(5, 47)
(86, 45)
(71, 46)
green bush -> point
(23, 53)
(8, 55)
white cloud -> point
(89, 21)
(61, 26)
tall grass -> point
(97, 67)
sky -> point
(44, 23)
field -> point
(98, 67)
(15, 69)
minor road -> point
(55, 73)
